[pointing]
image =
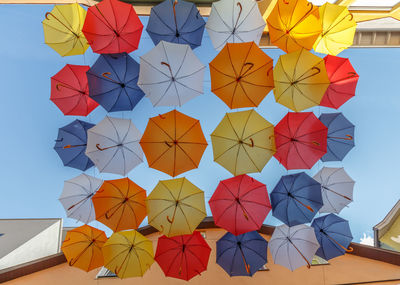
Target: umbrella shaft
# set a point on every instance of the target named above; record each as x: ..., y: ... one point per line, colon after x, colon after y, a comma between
x: 305, y: 259
x: 58, y: 20
x: 304, y: 205
x: 350, y: 249
x: 326, y: 188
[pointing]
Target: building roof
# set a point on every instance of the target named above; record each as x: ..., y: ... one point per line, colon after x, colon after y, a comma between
x: 388, y: 227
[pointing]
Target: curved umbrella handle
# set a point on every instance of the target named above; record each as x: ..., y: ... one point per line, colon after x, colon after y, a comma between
x: 106, y: 75
x: 169, y: 68
x: 176, y: 24
x: 347, y: 138
x: 238, y: 17
x: 251, y: 66
x: 58, y: 20
x: 169, y: 145
x: 169, y: 220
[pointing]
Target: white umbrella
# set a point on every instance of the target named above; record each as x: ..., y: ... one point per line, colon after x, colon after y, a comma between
x: 171, y: 74
x: 293, y: 247
x: 76, y: 197
x: 113, y: 146
x: 234, y: 21
x: 336, y: 188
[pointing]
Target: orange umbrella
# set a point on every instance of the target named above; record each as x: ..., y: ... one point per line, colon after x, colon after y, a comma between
x: 120, y: 204
x: 173, y: 143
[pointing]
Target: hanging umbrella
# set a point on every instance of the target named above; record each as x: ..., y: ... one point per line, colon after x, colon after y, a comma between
x: 113, y: 146
x: 173, y: 143
x: 243, y: 142
x: 76, y: 197
x: 176, y: 22
x: 246, y: 79
x: 300, y: 80
x: 71, y: 145
x: 240, y: 204
x: 112, y: 26
x: 296, y: 199
x: 171, y: 74
x: 234, y: 21
x: 113, y: 82
x: 183, y: 257
x: 175, y: 207
x: 63, y: 29
x: 301, y: 140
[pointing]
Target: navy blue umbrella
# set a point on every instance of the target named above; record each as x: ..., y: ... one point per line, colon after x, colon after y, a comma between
x: 113, y: 82
x: 296, y: 199
x: 176, y: 22
x: 334, y: 236
x: 340, y: 136
x: 242, y: 255
x: 71, y: 145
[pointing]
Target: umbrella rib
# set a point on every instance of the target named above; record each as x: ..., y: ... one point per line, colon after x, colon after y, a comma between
x: 219, y: 15
x: 191, y: 74
x: 154, y: 11
x: 188, y: 130
x: 211, y: 66
x: 251, y: 159
x: 245, y: 93
x: 256, y: 252
x: 155, y: 123
x: 271, y: 126
x: 87, y: 191
x: 152, y: 66
x: 187, y: 86
x: 245, y: 17
x: 301, y: 124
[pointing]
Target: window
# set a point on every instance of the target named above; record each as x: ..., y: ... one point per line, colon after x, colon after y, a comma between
x: 105, y: 273
x: 264, y: 268
x: 319, y: 261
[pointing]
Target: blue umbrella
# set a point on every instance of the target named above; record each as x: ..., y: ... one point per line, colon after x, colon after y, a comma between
x: 113, y: 82
x: 71, y: 145
x: 296, y: 199
x: 176, y: 22
x: 340, y: 136
x: 242, y: 255
x: 334, y: 236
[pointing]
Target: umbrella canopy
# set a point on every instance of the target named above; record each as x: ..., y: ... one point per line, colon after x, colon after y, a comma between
x: 112, y: 26
x: 240, y: 204
x: 243, y: 142
x: 71, y: 145
x: 171, y: 74
x: 175, y: 207
x: 301, y: 140
x: 293, y: 247
x: 113, y: 146
x: 300, y: 80
x: 183, y: 257
x: 128, y: 254
x: 63, y: 29
x: 242, y: 255
x: 82, y: 247
x: 176, y: 22
x: 76, y: 197
x: 173, y: 143
x: 246, y: 79
x: 113, y: 82
x: 296, y: 199
x: 120, y: 204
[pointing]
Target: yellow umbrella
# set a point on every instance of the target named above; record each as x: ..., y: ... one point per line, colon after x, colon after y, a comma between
x: 175, y: 207
x: 243, y: 142
x: 300, y: 80
x: 128, y: 254
x: 63, y: 29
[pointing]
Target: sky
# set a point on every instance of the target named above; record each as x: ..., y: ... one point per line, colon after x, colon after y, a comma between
x: 32, y: 175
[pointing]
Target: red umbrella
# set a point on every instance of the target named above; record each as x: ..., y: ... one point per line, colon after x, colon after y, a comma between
x: 112, y: 26
x: 240, y: 204
x: 343, y: 80
x: 184, y: 256
x: 301, y: 140
x: 70, y: 91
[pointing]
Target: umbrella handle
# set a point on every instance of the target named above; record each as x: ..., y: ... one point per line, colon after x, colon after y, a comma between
x: 72, y: 146
x: 350, y: 249
x: 347, y: 138
x: 77, y: 203
x: 247, y: 266
x: 304, y: 205
x: 326, y: 188
x: 106, y: 22
x: 58, y: 20
x: 305, y: 259
x: 169, y: 67
x: 244, y: 73
x: 318, y: 70
x: 169, y: 145
x: 101, y: 149
x: 240, y: 13
x: 252, y: 142
x: 173, y: 9
x: 169, y: 220
x: 106, y: 74
x: 302, y: 18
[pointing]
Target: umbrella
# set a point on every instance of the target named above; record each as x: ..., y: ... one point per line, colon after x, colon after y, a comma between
x: 333, y: 234
x: 240, y: 204
x: 63, y: 29
x: 301, y: 140
x: 296, y: 199
x: 175, y: 207
x: 340, y: 136
x: 336, y: 188
x: 243, y: 142
x: 82, y: 247
x: 293, y: 247
x: 173, y: 143
x: 76, y: 197
x: 300, y: 80
x: 71, y: 145
x: 184, y: 256
x: 176, y: 22
x: 113, y: 146
x: 120, y: 204
x: 246, y: 79
x: 171, y: 74
x: 128, y: 254
x: 107, y: 33
x: 242, y: 255
x: 113, y: 82
x: 234, y: 21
